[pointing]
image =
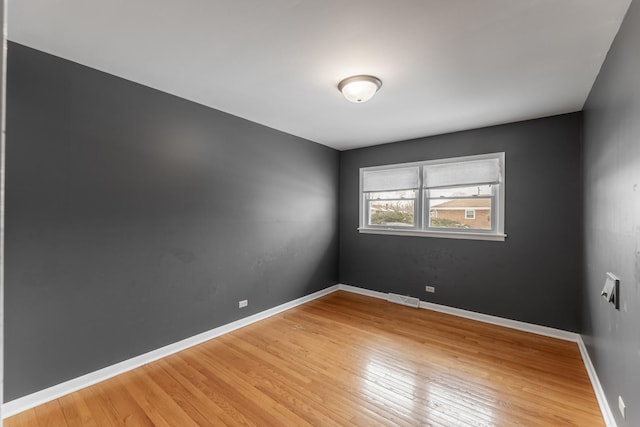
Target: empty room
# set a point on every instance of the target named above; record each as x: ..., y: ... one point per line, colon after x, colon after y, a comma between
x: 297, y: 212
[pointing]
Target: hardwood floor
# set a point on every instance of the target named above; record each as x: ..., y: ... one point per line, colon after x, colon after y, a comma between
x: 346, y: 359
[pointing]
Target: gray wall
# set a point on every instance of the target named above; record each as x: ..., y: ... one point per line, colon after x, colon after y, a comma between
x: 612, y: 219
x: 136, y: 219
x: 533, y: 276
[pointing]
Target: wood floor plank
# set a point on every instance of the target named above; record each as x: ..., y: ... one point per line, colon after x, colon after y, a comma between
x: 307, y: 404
x: 209, y: 400
x: 155, y: 401
x: 76, y: 412
x: 50, y: 415
x: 27, y: 418
x: 331, y: 377
x: 117, y: 400
x: 346, y: 359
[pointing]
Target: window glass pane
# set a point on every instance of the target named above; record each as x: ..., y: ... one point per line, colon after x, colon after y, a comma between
x: 475, y: 191
x: 392, y: 213
x: 467, y: 214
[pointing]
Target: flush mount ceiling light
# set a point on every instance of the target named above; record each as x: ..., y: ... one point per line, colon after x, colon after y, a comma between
x: 359, y: 88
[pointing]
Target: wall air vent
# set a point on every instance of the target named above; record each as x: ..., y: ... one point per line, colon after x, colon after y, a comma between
x: 404, y: 300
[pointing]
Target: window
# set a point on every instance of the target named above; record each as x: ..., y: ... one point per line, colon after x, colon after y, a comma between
x: 460, y: 197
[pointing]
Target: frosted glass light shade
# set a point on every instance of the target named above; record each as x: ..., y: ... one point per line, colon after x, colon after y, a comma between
x: 359, y: 88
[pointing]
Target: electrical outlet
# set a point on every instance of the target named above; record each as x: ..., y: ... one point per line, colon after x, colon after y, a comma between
x: 431, y: 289
x: 243, y: 303
x: 621, y: 406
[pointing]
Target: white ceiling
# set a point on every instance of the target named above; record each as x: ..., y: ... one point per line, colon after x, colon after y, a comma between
x: 446, y: 65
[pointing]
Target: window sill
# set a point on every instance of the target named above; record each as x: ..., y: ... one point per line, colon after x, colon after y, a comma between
x: 437, y: 234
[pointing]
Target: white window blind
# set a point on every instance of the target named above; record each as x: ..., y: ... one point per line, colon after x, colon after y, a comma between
x: 391, y: 179
x: 472, y: 172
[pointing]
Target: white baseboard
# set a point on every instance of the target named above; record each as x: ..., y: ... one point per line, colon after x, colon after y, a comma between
x: 485, y: 318
x: 507, y: 323
x: 521, y: 326
x: 609, y: 420
x: 43, y: 396
x: 362, y: 291
x: 38, y: 398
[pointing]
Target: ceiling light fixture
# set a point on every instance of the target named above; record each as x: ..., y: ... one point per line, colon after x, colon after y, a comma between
x: 359, y: 88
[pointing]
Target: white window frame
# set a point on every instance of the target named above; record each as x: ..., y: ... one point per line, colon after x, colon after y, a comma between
x: 471, y: 211
x: 421, y: 206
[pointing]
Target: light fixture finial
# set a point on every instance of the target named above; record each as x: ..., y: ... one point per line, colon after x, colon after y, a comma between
x: 359, y: 88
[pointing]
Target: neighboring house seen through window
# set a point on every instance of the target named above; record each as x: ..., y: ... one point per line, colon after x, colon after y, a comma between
x: 460, y: 197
